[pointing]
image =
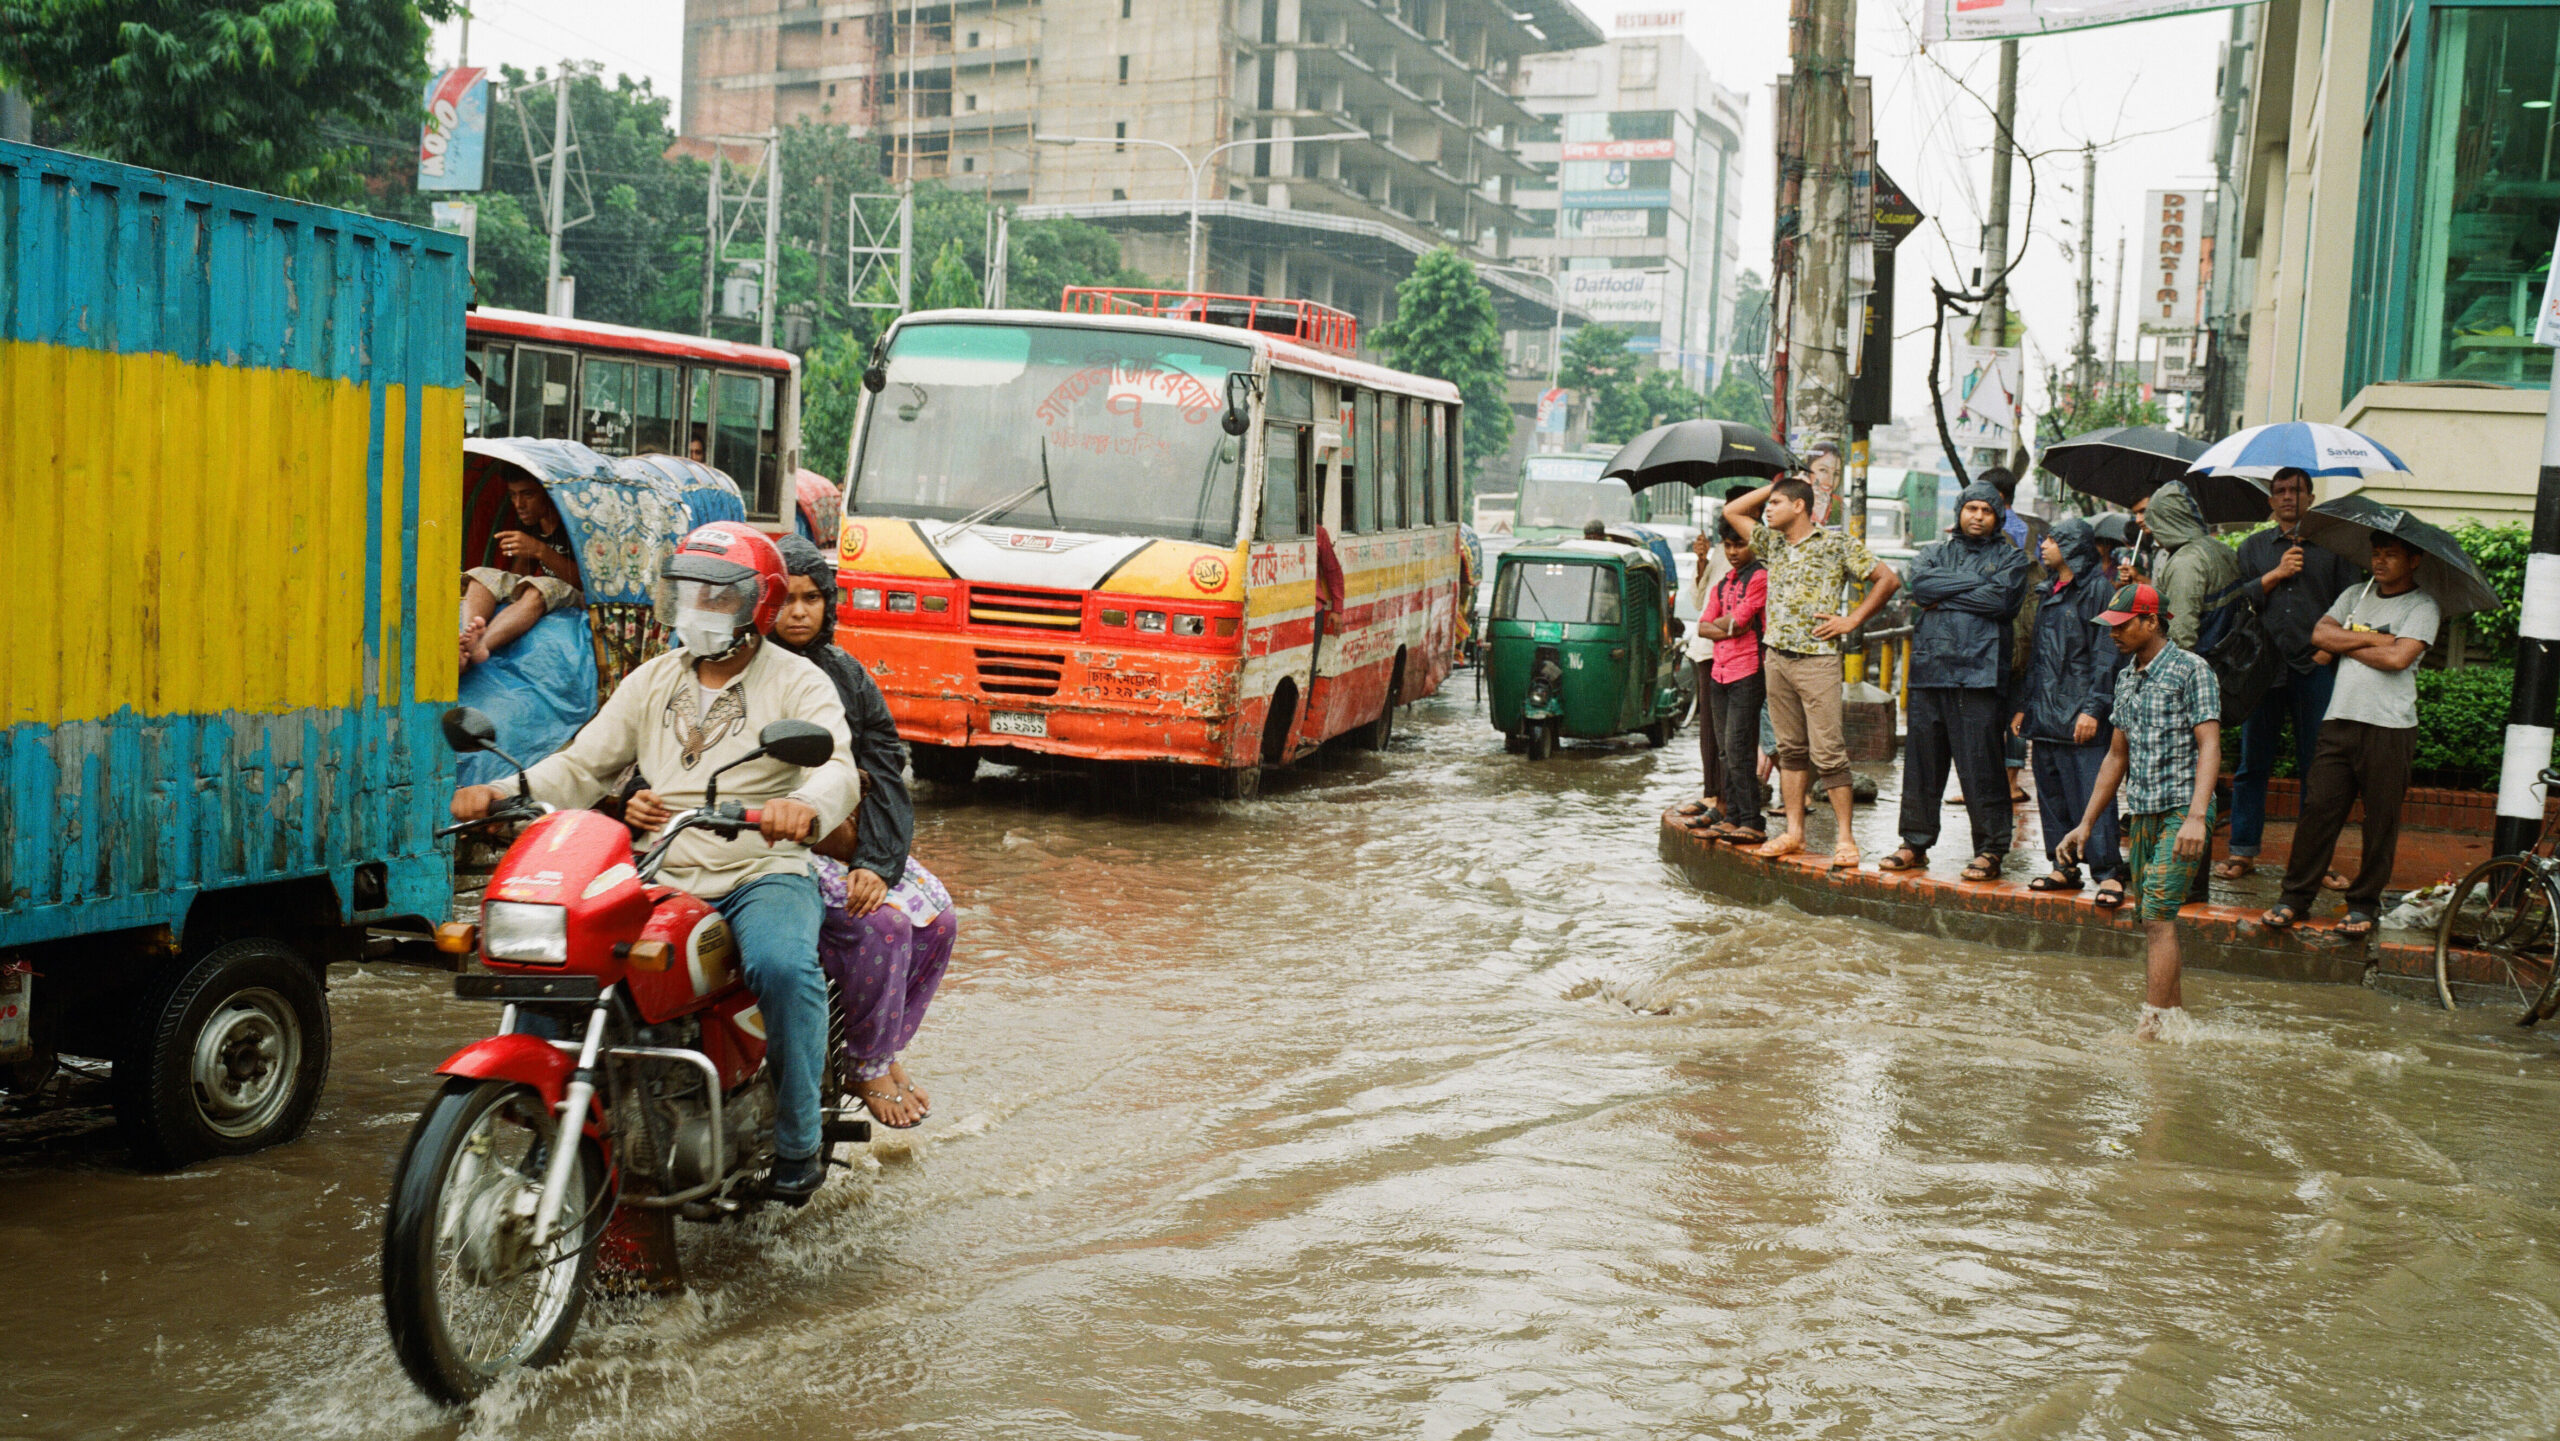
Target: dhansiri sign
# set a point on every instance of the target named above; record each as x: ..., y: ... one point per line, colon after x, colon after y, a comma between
x: 2172, y: 241
x: 2005, y: 19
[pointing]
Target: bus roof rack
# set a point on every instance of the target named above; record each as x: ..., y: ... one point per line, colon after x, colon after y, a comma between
x: 1304, y: 321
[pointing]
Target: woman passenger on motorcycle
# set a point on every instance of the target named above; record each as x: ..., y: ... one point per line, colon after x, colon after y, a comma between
x: 887, y: 933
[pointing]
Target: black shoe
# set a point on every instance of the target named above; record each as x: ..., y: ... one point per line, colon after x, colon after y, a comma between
x: 796, y: 1179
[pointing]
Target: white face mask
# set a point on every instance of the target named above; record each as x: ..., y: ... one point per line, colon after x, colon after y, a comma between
x: 709, y: 634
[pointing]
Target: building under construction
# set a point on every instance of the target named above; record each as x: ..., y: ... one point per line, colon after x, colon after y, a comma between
x: 964, y: 93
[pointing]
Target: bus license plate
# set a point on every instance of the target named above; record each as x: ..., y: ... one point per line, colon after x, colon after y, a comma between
x: 1016, y: 723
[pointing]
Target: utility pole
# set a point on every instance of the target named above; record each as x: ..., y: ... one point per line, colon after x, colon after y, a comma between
x: 2087, y: 355
x: 1991, y: 326
x: 1822, y: 46
x: 772, y: 285
x: 2115, y: 326
x: 559, y: 192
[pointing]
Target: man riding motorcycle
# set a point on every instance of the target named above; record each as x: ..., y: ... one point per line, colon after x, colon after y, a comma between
x: 681, y: 717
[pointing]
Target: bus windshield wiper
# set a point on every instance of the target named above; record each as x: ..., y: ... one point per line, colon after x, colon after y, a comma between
x: 990, y: 512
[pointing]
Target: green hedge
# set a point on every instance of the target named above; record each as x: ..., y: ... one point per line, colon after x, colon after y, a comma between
x: 2462, y: 718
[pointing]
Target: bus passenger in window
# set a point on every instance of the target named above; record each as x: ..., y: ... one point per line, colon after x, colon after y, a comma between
x: 500, y: 603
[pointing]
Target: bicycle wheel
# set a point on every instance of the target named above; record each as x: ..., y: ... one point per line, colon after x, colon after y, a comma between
x: 2500, y: 930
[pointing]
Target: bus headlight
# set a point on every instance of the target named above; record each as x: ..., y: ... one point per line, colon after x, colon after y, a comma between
x: 1190, y: 624
x: 532, y: 934
x: 903, y: 602
x: 866, y: 598
x: 1151, y: 621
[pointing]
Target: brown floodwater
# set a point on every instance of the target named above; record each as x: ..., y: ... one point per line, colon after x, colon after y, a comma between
x: 1420, y: 1099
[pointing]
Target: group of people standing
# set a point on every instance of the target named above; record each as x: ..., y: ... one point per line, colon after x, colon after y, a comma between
x: 2077, y: 644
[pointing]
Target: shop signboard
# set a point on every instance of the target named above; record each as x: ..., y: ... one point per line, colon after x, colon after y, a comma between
x: 1619, y: 149
x: 1649, y: 199
x: 1617, y: 297
x: 2172, y: 241
x: 1611, y: 224
x: 1648, y: 22
x: 1943, y: 20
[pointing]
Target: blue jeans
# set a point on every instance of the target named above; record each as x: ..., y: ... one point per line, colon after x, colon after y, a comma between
x: 775, y: 919
x: 2066, y: 776
x: 2302, y: 699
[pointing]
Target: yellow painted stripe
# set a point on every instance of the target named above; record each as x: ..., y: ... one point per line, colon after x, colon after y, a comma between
x: 197, y: 535
x: 395, y: 494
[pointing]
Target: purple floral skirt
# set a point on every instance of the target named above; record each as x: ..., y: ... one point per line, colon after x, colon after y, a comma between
x: 887, y: 963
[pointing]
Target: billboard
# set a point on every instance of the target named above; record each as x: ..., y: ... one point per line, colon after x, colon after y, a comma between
x: 2172, y: 241
x: 1942, y: 20
x: 1987, y: 394
x: 453, y: 143
x: 1617, y: 297
x: 1611, y: 224
x: 1618, y: 199
x: 1619, y: 149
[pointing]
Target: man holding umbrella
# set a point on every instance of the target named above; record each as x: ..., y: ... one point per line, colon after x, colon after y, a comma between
x: 2295, y: 582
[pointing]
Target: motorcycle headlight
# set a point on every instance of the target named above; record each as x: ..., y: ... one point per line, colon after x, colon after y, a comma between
x: 531, y: 934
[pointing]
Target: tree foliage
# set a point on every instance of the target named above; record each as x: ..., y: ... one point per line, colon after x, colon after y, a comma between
x: 1446, y: 328
x: 953, y: 285
x: 275, y: 95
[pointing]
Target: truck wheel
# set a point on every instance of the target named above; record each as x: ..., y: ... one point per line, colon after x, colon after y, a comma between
x: 225, y: 1059
x: 944, y: 765
x: 1238, y: 783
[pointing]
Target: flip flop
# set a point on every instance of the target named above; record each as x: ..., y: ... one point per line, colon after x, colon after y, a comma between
x: 1845, y: 857
x: 1694, y: 810
x: 2357, y: 926
x: 2234, y: 868
x: 2279, y: 918
x: 1783, y: 845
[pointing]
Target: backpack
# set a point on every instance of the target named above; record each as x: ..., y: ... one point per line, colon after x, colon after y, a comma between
x: 2234, y: 643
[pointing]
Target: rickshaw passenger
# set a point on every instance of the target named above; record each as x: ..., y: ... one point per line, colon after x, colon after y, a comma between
x: 500, y: 603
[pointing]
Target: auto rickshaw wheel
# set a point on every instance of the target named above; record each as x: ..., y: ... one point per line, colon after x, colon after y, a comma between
x: 225, y: 1057
x: 1542, y: 739
x: 1515, y: 741
x: 1658, y: 734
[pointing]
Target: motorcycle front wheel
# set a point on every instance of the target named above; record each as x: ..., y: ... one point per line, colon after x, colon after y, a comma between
x: 467, y: 1296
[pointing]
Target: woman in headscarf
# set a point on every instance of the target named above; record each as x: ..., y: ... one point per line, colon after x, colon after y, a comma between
x: 887, y: 933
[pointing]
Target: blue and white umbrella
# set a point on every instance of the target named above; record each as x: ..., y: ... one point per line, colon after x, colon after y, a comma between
x: 2316, y: 450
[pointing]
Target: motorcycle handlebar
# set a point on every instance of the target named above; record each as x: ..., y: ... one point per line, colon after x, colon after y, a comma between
x: 513, y: 808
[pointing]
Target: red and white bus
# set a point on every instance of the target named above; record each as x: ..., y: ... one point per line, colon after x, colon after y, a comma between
x: 622, y: 391
x: 1093, y: 533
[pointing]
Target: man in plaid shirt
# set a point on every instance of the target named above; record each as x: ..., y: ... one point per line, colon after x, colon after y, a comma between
x: 2166, y: 752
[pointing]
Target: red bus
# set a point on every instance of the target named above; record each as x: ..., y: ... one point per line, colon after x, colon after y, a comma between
x: 1093, y: 533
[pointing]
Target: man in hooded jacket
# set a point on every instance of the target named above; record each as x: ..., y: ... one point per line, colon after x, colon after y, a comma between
x: 2194, y: 569
x: 2062, y: 698
x: 1966, y: 590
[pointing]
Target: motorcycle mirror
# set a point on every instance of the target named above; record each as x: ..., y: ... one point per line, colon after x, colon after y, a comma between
x: 467, y: 730
x: 797, y: 742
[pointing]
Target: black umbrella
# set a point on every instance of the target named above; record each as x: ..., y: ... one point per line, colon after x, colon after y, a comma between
x: 1694, y: 452
x: 2346, y: 526
x: 2126, y: 463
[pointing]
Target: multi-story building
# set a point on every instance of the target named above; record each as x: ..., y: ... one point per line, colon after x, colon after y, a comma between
x: 970, y: 92
x: 1639, y: 196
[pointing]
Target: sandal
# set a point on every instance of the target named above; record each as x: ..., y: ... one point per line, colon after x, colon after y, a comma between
x: 1984, y: 867
x: 2110, y: 895
x: 1695, y: 809
x: 2234, y: 868
x: 1904, y: 858
x: 2357, y: 926
x: 878, y: 1101
x: 2280, y: 918
x: 1845, y: 857
x: 2333, y: 880
x: 1783, y: 845
x: 2060, y: 880
x: 1746, y: 836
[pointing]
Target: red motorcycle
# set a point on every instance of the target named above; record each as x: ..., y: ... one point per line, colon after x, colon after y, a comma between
x: 627, y: 1076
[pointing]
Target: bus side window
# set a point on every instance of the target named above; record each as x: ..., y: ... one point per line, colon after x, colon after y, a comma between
x: 697, y: 440
x: 1429, y: 434
x: 653, y: 410
x: 1391, y: 486
x: 1361, y: 516
x: 1453, y: 459
x: 488, y: 400
x: 1284, y: 483
x: 734, y: 448
x: 769, y: 488
x: 604, y: 405
x: 1415, y: 432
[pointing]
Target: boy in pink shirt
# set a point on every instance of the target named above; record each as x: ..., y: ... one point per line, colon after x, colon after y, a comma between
x: 1736, y: 613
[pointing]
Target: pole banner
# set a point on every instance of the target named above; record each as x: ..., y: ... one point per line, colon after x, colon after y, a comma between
x: 1943, y: 20
x: 453, y: 144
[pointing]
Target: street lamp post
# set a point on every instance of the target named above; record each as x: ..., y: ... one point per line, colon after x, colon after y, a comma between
x: 1555, y: 348
x: 1191, y: 268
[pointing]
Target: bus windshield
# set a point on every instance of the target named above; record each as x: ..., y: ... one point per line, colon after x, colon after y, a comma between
x: 1570, y: 504
x: 1563, y: 591
x: 1123, y: 428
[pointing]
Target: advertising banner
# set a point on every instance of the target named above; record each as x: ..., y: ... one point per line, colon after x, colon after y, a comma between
x: 1617, y: 199
x: 1942, y: 20
x: 1617, y: 297
x: 453, y: 144
x: 2172, y: 241
x: 1618, y: 150
x: 1986, y: 417
x: 1611, y: 224
x: 1553, y: 406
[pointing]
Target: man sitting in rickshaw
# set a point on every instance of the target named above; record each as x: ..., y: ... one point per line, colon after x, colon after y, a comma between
x: 500, y: 603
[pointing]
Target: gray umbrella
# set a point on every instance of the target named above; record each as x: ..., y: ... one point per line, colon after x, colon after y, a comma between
x: 1695, y: 452
x: 2346, y: 526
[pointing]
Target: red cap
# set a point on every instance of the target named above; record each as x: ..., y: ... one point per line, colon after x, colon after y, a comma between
x: 2130, y: 601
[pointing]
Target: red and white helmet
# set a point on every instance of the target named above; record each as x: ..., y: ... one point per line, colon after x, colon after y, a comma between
x: 723, y: 586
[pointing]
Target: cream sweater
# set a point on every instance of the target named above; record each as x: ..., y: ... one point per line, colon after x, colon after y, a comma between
x: 656, y: 718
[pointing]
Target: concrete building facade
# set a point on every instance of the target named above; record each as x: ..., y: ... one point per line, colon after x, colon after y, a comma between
x: 1638, y: 199
x: 964, y: 93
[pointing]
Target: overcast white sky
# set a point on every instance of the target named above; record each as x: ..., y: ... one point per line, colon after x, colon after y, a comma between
x: 2142, y: 92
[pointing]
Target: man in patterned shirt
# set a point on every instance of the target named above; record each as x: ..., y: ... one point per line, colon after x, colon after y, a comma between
x: 2166, y: 753
x: 1808, y: 569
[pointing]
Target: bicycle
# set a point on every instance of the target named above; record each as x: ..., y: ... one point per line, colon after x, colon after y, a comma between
x: 2508, y: 908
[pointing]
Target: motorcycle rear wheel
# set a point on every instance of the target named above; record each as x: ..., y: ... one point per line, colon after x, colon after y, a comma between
x: 466, y: 1299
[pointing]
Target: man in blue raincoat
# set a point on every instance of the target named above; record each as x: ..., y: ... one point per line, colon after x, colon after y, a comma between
x: 1966, y: 590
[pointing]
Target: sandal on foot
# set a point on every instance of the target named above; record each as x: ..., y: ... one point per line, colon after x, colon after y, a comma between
x: 2279, y: 918
x: 1904, y: 858
x: 1983, y: 868
x: 2110, y: 895
x: 2357, y: 926
x: 2334, y: 881
x: 2057, y: 881
x: 1779, y: 845
x: 879, y: 1101
x: 1694, y: 810
x: 1845, y: 857
x: 1746, y: 836
x: 2234, y: 868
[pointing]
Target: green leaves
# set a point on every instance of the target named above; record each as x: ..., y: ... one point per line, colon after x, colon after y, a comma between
x: 1446, y: 328
x: 2499, y: 551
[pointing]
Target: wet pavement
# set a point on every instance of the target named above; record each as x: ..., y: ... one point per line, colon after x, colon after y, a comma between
x: 1420, y: 1099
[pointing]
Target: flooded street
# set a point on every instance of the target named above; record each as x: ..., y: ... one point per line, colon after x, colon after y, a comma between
x: 1420, y: 1099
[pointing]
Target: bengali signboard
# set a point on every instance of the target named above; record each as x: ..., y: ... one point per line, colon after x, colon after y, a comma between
x: 1942, y: 20
x: 2172, y: 242
x: 453, y: 143
x: 1617, y: 297
x: 1618, y: 149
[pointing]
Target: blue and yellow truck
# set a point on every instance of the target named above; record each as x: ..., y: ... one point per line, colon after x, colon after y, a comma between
x: 230, y: 489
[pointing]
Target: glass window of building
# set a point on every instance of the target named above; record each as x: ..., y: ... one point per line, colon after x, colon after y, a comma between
x: 2489, y: 197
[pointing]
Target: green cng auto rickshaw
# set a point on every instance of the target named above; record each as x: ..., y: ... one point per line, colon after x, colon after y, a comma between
x: 1580, y: 643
